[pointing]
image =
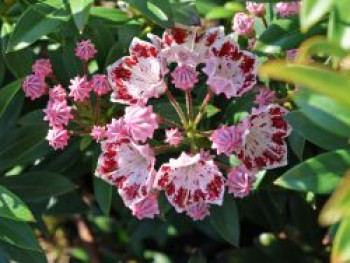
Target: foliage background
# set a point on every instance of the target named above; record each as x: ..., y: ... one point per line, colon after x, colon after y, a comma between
x: 53, y: 209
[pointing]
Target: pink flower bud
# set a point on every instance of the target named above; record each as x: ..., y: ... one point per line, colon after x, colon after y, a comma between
x: 173, y: 137
x: 226, y: 139
x: 85, y: 50
x: 42, y: 67
x: 240, y: 181
x: 184, y: 77
x: 57, y: 93
x: 100, y: 85
x: 146, y: 208
x: 265, y: 97
x: 287, y: 9
x: 79, y: 88
x: 98, y: 133
x: 34, y: 86
x: 256, y: 8
x: 243, y: 25
x: 58, y: 113
x: 58, y: 138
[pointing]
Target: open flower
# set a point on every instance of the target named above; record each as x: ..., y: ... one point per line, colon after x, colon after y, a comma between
x: 263, y: 145
x: 116, y: 129
x: 230, y: 70
x: 140, y: 122
x: 34, y: 86
x: 240, y: 181
x: 128, y: 166
x: 190, y: 180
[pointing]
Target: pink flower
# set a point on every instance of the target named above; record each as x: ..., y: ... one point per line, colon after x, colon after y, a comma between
x: 98, y: 133
x: 79, y: 88
x: 287, y: 9
x: 226, y: 139
x: 291, y: 54
x: 116, y: 129
x: 146, y: 208
x: 256, y: 8
x: 85, y: 50
x: 58, y: 138
x: 34, y: 86
x: 198, y: 211
x: 42, y: 68
x: 128, y: 166
x: 240, y: 181
x: 139, y: 76
x: 264, y: 97
x: 100, y: 84
x: 230, y: 70
x: 57, y: 93
x: 184, y: 77
x: 243, y: 25
x: 173, y: 136
x: 263, y: 144
x: 140, y: 121
x: 58, y: 113
x: 190, y: 180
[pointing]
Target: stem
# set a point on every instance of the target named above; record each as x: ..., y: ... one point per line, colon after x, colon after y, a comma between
x: 97, y: 109
x: 202, y: 109
x: 264, y: 21
x: 169, y: 122
x: 85, y: 68
x: 82, y: 124
x: 177, y: 107
x: 189, y: 105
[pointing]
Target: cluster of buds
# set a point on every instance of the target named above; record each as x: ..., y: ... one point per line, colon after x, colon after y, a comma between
x: 181, y: 61
x: 68, y: 105
x: 243, y: 24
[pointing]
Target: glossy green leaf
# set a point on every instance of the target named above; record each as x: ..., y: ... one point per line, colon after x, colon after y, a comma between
x: 331, y: 83
x: 225, y: 219
x: 7, y: 93
x: 18, y: 234
x: 15, y: 254
x: 297, y: 144
x: 80, y: 11
x: 341, y: 246
x: 185, y: 13
x: 219, y: 13
x: 11, y: 207
x: 312, y: 11
x: 324, y: 112
x: 337, y: 207
x: 109, y: 14
x: 159, y: 11
x: 320, y: 174
x: 34, y: 186
x: 39, y: 20
x: 339, y: 24
x: 284, y: 34
x: 103, y: 194
x: 314, y: 133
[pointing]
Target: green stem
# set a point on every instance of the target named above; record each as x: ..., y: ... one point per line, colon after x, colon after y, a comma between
x: 178, y: 109
x: 189, y: 105
x: 202, y: 109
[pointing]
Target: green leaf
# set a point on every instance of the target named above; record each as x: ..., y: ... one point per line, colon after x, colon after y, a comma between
x: 337, y: 207
x: 320, y: 174
x: 331, y: 83
x: 108, y: 14
x: 284, y: 34
x: 198, y: 257
x: 14, y: 254
x: 18, y: 234
x: 33, y: 186
x: 219, y: 13
x: 11, y: 207
x: 40, y: 19
x: 80, y: 10
x: 7, y: 93
x: 103, y: 194
x: 159, y: 11
x: 339, y: 24
x: 185, y: 13
x: 341, y: 246
x: 324, y: 112
x: 225, y: 219
x: 312, y: 11
x: 297, y: 144
x: 314, y: 133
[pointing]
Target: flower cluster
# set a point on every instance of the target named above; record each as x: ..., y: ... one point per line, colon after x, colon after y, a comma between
x: 194, y: 179
x: 64, y: 105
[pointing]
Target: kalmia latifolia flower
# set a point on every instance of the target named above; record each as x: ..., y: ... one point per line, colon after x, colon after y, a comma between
x: 98, y: 133
x: 79, y: 88
x: 243, y: 25
x: 57, y: 93
x: 256, y: 8
x: 184, y: 77
x: 230, y: 71
x: 287, y: 9
x: 140, y: 122
x: 173, y: 136
x: 34, y: 86
x: 100, y: 84
x: 146, y: 208
x: 85, y: 50
x: 265, y: 97
x: 42, y: 68
x: 240, y: 181
x: 116, y: 129
x: 198, y: 211
x: 263, y: 145
x: 58, y: 113
x: 226, y: 139
x: 190, y: 180
x: 58, y: 138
